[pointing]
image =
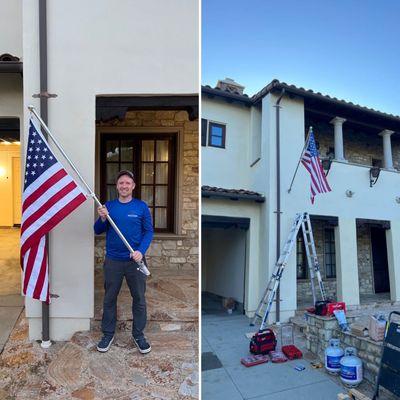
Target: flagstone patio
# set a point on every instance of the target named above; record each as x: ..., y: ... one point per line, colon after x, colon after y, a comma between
x: 76, y: 370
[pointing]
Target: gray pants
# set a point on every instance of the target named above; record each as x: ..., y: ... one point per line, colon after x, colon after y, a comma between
x: 114, y: 272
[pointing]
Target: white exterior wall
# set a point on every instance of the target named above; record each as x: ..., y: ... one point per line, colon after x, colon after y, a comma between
x: 132, y: 47
x: 224, y: 260
x: 11, y: 27
x: 229, y: 167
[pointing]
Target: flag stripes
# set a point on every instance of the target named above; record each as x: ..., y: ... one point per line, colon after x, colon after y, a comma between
x: 311, y: 161
x: 50, y: 194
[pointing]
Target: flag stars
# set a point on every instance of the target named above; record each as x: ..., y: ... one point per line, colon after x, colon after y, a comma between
x: 30, y: 149
x: 44, y: 149
x: 29, y: 157
x: 32, y: 141
x: 43, y: 157
x: 37, y: 148
x: 39, y: 141
x: 34, y: 134
x: 42, y: 164
x: 34, y: 165
x: 36, y: 157
x: 51, y: 157
x: 33, y: 173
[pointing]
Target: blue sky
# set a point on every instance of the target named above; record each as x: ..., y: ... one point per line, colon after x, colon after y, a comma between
x: 349, y: 49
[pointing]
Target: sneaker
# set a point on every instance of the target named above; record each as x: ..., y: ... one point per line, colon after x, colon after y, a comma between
x: 142, y: 345
x: 105, y: 343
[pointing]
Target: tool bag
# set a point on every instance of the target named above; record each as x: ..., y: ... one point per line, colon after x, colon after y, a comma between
x: 263, y: 342
x: 321, y: 307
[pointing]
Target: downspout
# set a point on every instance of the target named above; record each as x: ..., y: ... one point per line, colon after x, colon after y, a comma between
x: 44, y: 114
x: 278, y: 199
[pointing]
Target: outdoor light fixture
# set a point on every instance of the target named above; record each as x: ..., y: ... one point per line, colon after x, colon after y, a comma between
x: 326, y: 165
x: 349, y: 193
x: 397, y: 199
x: 373, y: 175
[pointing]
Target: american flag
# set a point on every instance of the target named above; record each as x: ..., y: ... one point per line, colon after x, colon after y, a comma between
x: 310, y: 159
x: 50, y: 194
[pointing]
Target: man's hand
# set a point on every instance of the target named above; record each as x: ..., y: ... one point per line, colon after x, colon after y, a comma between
x: 103, y: 212
x: 137, y: 256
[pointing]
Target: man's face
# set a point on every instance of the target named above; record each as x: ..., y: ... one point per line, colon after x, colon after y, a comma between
x: 125, y: 186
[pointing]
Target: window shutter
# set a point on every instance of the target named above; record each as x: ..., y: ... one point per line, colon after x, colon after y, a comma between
x: 204, y: 132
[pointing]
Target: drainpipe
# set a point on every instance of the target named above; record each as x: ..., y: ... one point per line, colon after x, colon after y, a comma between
x: 44, y: 114
x: 278, y: 198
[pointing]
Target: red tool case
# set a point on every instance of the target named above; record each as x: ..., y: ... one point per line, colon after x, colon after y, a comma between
x: 292, y: 352
x: 250, y: 361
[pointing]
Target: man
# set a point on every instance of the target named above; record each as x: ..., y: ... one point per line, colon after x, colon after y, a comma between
x: 132, y: 217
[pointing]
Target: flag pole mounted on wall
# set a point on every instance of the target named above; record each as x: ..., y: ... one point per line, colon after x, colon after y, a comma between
x: 301, y: 156
x: 142, y: 266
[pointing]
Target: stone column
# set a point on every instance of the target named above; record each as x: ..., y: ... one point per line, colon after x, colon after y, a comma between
x: 387, y: 149
x: 338, y: 126
x: 393, y: 252
x: 346, y: 262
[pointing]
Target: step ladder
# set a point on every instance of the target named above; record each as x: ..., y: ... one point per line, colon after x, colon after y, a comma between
x: 302, y: 221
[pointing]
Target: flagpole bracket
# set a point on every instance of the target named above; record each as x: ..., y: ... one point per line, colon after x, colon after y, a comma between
x: 45, y: 94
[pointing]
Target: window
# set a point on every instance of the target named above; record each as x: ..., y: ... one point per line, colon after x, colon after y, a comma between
x: 152, y: 160
x: 329, y: 253
x: 216, y: 135
x: 301, y: 257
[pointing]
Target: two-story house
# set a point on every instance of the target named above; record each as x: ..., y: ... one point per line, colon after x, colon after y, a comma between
x: 250, y: 149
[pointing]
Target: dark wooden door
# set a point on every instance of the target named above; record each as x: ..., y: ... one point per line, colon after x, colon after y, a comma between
x: 379, y: 259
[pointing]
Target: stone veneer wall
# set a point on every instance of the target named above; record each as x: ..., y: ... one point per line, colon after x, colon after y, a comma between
x: 365, y: 268
x: 170, y: 253
x: 304, y: 293
x: 359, y: 147
x: 321, y: 329
x: 364, y: 256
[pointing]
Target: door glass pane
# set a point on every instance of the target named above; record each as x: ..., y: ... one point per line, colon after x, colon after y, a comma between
x: 126, y: 150
x: 152, y: 214
x: 127, y: 166
x: 148, y: 150
x: 147, y: 195
x: 161, y: 196
x: 162, y: 173
x: 111, y: 172
x: 112, y: 150
x: 162, y: 150
x: 161, y: 218
x: 111, y: 192
x: 147, y: 173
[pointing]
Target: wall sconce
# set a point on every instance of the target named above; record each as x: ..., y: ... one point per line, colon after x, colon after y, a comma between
x: 373, y: 175
x: 397, y: 199
x: 349, y: 193
x: 326, y: 165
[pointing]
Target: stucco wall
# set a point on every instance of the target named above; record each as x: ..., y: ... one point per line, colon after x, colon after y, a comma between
x: 136, y: 48
x: 11, y: 27
x: 224, y: 261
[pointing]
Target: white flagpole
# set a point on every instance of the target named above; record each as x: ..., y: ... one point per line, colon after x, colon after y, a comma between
x: 301, y: 156
x: 142, y: 266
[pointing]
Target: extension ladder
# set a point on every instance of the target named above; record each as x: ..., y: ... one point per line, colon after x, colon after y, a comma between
x: 302, y: 220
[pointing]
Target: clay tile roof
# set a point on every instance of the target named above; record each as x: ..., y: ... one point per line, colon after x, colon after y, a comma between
x: 233, y: 194
x: 275, y: 85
